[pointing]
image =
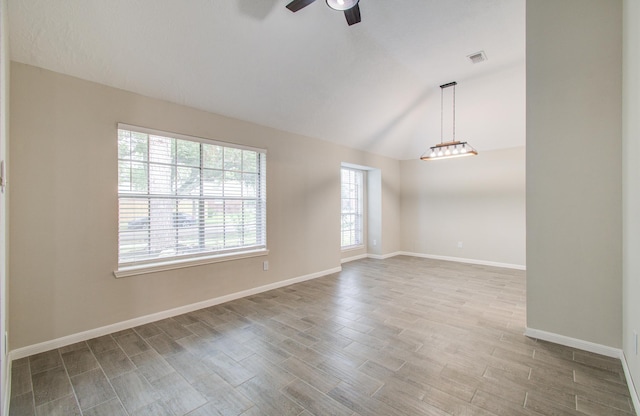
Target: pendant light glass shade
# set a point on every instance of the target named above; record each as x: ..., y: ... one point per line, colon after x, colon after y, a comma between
x: 341, y: 4
x: 453, y: 148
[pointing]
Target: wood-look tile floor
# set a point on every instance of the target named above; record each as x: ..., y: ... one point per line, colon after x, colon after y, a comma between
x: 403, y: 336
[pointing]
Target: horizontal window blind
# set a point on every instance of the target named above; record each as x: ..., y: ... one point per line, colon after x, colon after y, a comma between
x: 182, y: 197
x: 352, y: 198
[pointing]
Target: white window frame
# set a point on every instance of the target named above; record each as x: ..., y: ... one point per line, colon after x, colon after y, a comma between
x: 197, y: 252
x: 352, y: 205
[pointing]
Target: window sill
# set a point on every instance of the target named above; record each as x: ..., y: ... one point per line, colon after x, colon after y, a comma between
x: 353, y: 248
x: 180, y: 264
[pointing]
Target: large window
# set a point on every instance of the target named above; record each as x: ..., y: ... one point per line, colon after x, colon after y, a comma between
x: 181, y: 197
x: 352, y: 207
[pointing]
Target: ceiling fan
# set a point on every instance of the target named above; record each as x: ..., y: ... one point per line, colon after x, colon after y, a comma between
x: 350, y: 8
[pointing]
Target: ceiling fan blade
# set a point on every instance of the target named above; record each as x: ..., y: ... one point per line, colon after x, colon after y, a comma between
x: 296, y: 5
x: 353, y: 15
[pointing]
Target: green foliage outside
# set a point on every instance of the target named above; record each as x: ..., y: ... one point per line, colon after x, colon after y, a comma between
x: 180, y: 197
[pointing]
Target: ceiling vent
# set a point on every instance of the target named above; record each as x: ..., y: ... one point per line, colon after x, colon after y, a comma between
x: 477, y: 57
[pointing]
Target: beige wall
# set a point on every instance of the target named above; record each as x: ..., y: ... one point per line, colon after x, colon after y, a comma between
x: 479, y: 201
x: 573, y: 169
x: 64, y: 207
x: 631, y: 186
x: 4, y: 139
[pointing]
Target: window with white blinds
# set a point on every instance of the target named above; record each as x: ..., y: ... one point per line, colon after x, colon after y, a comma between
x: 352, y: 197
x: 183, y: 197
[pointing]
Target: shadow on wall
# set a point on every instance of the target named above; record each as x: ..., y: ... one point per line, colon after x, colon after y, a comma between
x: 258, y: 10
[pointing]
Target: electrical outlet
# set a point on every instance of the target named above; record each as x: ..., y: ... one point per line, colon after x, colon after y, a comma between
x: 375, y: 242
x: 459, y: 244
x: 265, y: 265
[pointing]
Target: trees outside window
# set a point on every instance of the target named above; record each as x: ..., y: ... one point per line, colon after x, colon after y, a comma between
x: 182, y: 196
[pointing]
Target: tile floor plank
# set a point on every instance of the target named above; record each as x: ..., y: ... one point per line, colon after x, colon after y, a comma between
x: 111, y: 408
x: 177, y: 394
x: 44, y: 361
x: 63, y: 406
x: 20, y: 380
x: 269, y: 400
x: 222, y: 397
x: 50, y: 385
x: 92, y: 388
x: 79, y: 361
x: 131, y: 343
x: 22, y: 405
x: 102, y: 344
x: 115, y: 362
x: 313, y: 400
x: 134, y: 391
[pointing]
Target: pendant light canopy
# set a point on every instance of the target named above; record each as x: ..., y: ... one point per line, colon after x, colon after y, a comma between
x: 453, y: 148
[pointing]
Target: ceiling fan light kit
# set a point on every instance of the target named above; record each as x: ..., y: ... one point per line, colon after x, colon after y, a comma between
x: 341, y: 5
x: 453, y: 148
x: 349, y: 7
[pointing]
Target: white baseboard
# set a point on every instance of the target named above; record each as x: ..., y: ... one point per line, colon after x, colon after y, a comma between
x: 435, y: 257
x: 354, y: 258
x: 463, y: 260
x: 574, y: 343
x: 108, y: 329
x: 384, y: 256
x: 370, y: 256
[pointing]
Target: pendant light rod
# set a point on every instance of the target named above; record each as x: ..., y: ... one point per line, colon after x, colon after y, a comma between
x: 441, y: 114
x: 442, y: 87
x: 454, y: 113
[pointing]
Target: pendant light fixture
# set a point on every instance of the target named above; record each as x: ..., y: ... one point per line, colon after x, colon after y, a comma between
x: 453, y: 148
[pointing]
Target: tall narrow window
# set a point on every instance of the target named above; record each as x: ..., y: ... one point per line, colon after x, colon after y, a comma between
x: 352, y: 207
x: 181, y: 197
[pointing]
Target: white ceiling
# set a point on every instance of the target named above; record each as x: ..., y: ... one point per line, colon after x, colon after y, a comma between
x: 373, y: 85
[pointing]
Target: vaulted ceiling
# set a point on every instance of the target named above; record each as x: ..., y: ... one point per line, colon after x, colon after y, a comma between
x: 372, y: 86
